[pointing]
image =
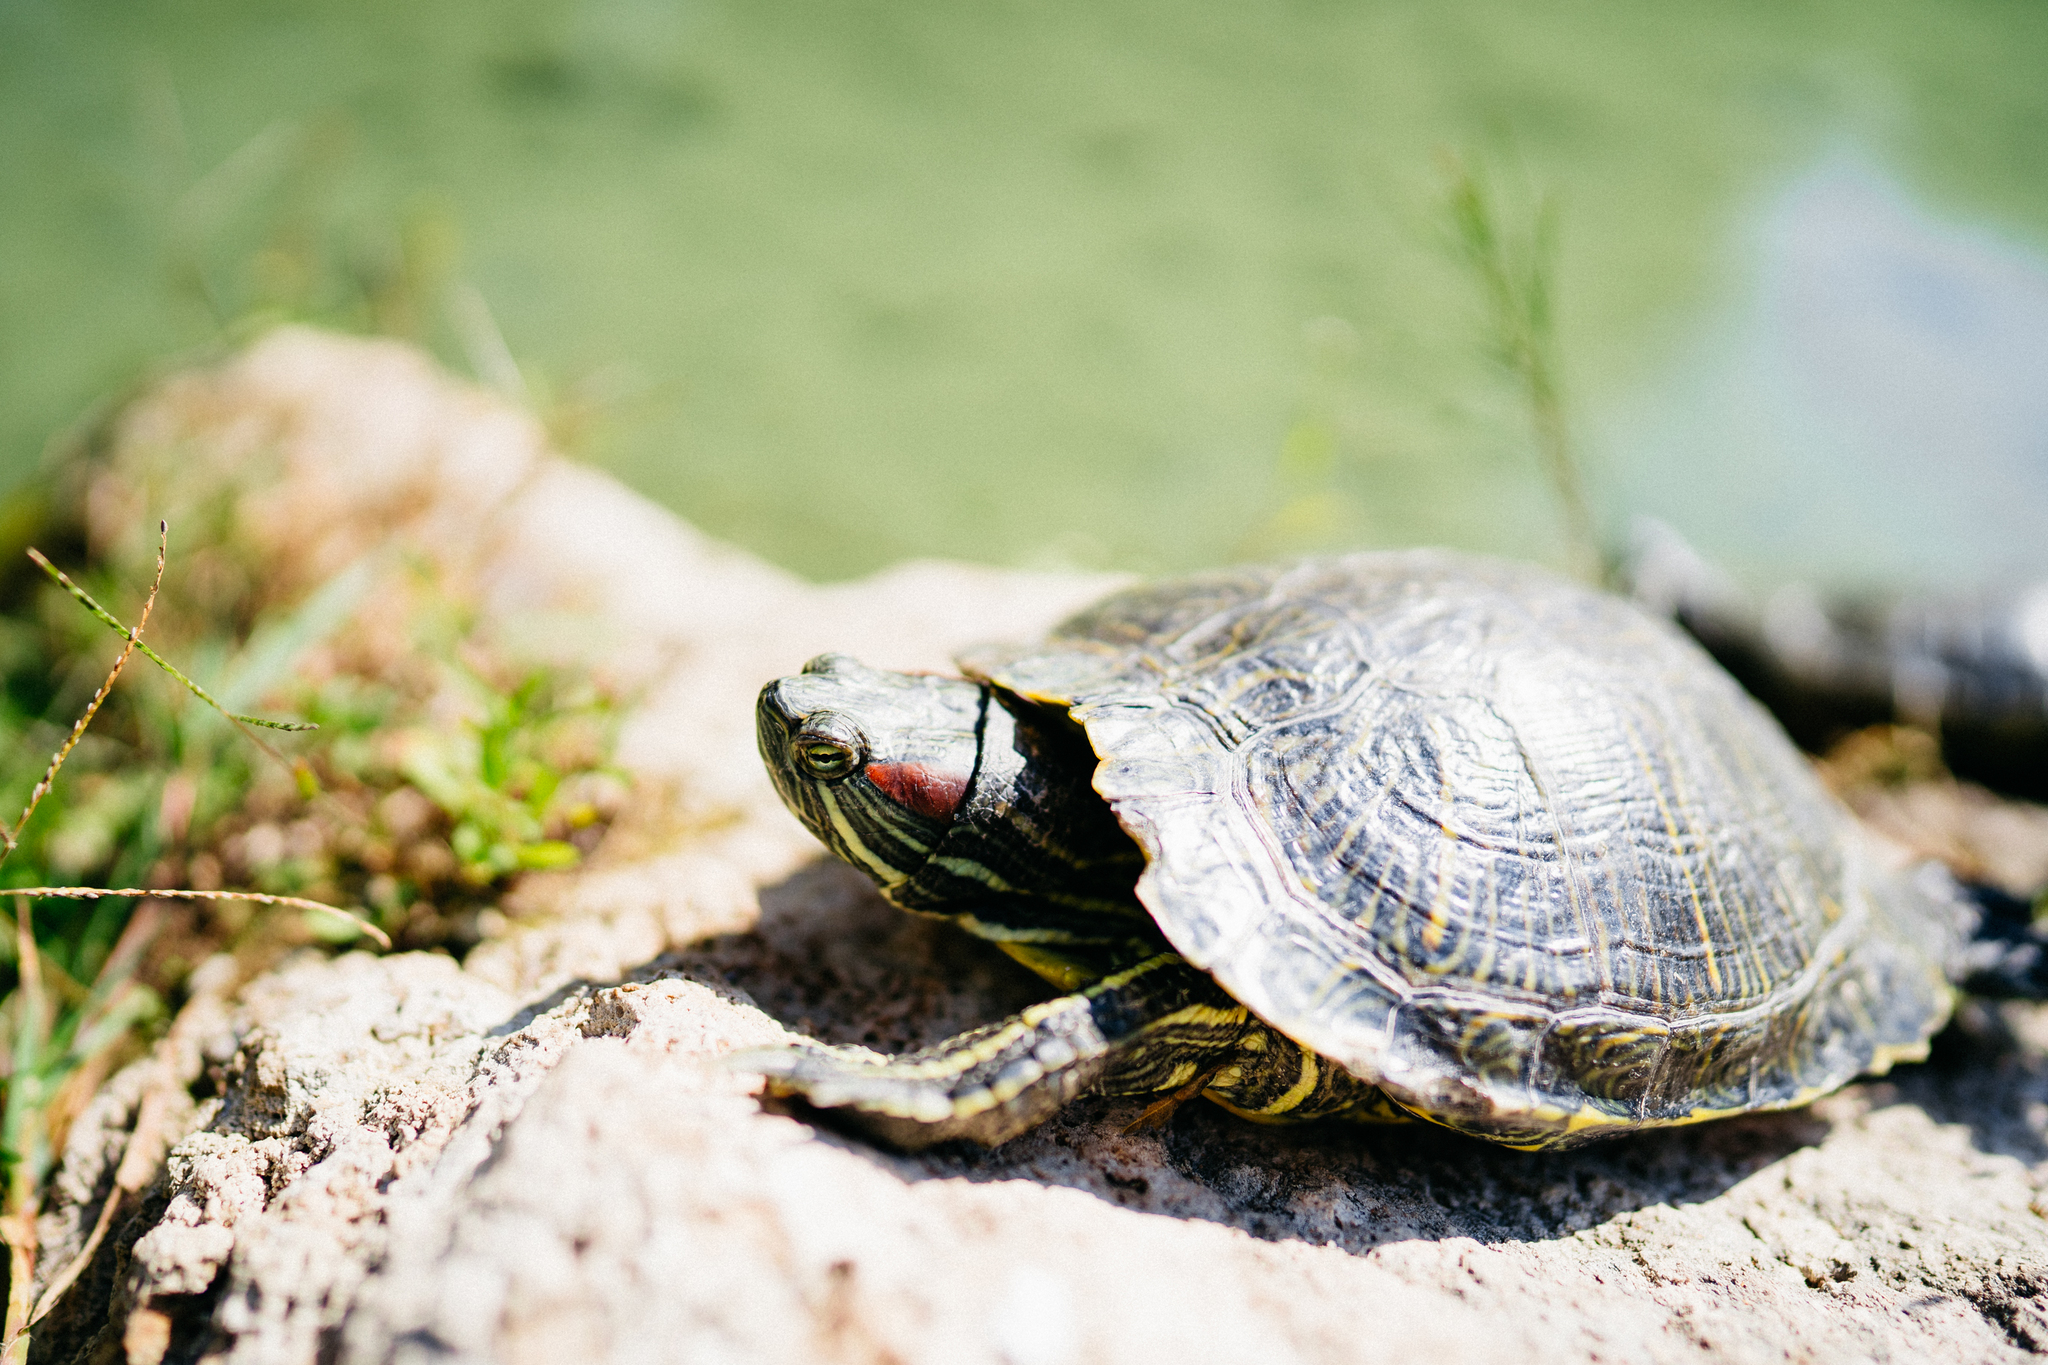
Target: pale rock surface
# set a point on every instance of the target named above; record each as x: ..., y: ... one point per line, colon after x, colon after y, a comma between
x: 536, y: 1156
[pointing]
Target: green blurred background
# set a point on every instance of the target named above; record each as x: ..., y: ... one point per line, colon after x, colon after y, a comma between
x: 1124, y: 284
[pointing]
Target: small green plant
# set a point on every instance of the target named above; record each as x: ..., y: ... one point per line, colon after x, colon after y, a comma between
x: 1516, y: 270
x: 1343, y: 467
x: 433, y: 794
x: 499, y: 780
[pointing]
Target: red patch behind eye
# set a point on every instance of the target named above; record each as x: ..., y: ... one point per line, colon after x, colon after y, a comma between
x: 934, y: 795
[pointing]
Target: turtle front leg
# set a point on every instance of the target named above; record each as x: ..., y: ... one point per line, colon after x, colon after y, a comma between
x: 1157, y: 1026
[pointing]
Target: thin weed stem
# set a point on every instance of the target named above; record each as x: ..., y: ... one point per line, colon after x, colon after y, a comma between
x: 293, y: 726
x: 86, y: 893
x: 42, y: 788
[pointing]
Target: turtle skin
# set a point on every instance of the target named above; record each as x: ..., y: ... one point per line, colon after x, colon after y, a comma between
x: 1513, y: 851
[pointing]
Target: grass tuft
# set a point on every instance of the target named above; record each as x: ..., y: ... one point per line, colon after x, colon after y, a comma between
x: 429, y: 773
x: 64, y: 1032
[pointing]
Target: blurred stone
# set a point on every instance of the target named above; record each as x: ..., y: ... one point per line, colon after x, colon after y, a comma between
x: 536, y: 1155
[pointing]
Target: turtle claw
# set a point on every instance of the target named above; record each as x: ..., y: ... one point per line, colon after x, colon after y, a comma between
x: 799, y: 1060
x: 1160, y: 1112
x: 855, y: 1079
x: 986, y: 1085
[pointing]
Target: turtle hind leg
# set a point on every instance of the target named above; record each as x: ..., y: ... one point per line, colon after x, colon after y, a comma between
x: 1152, y: 1027
x: 1274, y: 1079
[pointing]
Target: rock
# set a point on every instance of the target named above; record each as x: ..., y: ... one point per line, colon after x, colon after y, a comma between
x: 537, y: 1155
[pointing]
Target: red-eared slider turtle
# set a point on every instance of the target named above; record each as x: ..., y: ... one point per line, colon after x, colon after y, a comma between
x: 1379, y: 837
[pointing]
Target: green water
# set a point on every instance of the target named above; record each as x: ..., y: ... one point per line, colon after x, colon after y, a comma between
x: 1125, y: 283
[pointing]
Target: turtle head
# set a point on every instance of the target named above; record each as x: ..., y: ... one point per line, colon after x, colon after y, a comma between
x: 876, y: 764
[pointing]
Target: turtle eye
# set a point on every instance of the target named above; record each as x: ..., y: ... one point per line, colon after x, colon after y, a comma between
x: 824, y: 758
x: 828, y: 747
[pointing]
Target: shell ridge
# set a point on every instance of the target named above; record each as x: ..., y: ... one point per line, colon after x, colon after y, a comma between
x: 1566, y: 836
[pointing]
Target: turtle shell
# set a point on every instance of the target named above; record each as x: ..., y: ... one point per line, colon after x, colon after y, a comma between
x: 1510, y: 849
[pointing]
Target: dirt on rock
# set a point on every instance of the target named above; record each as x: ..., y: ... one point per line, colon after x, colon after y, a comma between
x: 537, y: 1154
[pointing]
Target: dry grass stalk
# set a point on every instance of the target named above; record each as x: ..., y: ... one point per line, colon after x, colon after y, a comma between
x: 87, y: 893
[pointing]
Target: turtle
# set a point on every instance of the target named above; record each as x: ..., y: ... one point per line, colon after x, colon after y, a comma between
x: 1385, y: 837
